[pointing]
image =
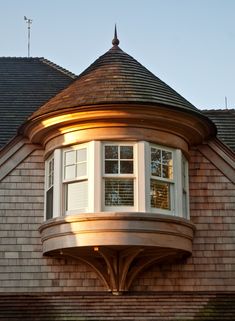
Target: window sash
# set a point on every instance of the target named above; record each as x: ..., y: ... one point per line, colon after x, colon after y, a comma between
x: 75, y: 185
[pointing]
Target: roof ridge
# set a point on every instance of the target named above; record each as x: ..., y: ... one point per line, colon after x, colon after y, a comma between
x: 16, y: 57
x: 222, y: 110
x: 57, y: 67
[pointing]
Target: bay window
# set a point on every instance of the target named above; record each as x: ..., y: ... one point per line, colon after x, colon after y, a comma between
x: 116, y: 176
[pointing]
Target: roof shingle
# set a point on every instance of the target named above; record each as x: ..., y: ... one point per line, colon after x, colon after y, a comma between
x: 26, y: 84
x: 224, y: 119
x: 116, y: 78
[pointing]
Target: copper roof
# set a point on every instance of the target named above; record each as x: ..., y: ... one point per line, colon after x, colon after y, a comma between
x: 115, y: 78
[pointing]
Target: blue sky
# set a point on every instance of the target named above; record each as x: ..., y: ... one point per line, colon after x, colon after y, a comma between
x: 189, y: 44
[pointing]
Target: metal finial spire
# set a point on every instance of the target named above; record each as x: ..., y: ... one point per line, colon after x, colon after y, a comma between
x: 115, y: 41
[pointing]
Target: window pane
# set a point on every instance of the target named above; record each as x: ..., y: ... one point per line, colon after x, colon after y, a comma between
x: 111, y: 167
x: 155, y: 155
x: 126, y: 167
x: 70, y: 157
x: 70, y: 172
x: 160, y: 195
x: 81, y: 155
x: 167, y: 161
x: 81, y: 169
x: 49, y: 203
x: 167, y: 171
x: 126, y: 152
x: 77, y: 196
x: 119, y: 192
x: 111, y: 152
x: 156, y: 169
x: 166, y: 157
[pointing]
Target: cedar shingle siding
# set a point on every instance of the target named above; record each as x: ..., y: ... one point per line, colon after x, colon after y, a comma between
x: 37, y: 287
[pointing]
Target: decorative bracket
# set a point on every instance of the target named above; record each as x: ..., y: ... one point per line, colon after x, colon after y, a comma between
x: 118, y: 268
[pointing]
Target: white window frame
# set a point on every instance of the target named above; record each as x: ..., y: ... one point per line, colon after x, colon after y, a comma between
x: 120, y: 176
x: 65, y: 181
x: 179, y: 189
x: 47, y: 184
x: 172, y: 182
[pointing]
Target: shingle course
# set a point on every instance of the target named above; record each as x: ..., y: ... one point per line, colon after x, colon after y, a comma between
x: 224, y: 119
x: 26, y: 84
x: 116, y: 78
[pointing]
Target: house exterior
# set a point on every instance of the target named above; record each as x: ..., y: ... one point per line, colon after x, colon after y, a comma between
x: 117, y: 196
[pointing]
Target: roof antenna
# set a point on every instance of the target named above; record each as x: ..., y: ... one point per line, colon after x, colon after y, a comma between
x: 226, y: 103
x: 29, y: 22
x: 115, y: 41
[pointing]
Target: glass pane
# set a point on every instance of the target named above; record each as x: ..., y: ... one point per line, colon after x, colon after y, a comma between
x: 70, y: 157
x: 77, y: 196
x: 119, y: 192
x: 126, y: 152
x: 81, y: 169
x: 155, y: 155
x: 111, y: 167
x: 49, y: 203
x: 166, y: 157
x: 81, y: 155
x: 70, y: 172
x: 111, y: 152
x: 126, y: 167
x: 156, y: 169
x: 50, y: 181
x: 167, y: 171
x: 160, y: 195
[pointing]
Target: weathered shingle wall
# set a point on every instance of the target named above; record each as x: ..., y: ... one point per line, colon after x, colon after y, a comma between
x: 212, y: 265
x: 22, y: 265
x: 24, y: 269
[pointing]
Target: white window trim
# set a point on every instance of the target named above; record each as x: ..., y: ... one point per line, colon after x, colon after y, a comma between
x: 65, y: 181
x: 96, y: 176
x: 121, y: 176
x: 46, y: 183
x: 172, y: 182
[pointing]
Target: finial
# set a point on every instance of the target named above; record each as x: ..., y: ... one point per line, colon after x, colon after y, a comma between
x: 115, y: 41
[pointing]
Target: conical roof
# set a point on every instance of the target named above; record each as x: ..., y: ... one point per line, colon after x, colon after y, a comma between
x: 115, y: 78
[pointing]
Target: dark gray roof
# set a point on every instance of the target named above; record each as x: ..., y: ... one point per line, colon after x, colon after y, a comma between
x: 25, y: 85
x: 116, y: 78
x: 224, y: 119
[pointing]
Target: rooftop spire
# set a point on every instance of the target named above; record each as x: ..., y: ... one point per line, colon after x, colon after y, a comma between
x: 115, y: 41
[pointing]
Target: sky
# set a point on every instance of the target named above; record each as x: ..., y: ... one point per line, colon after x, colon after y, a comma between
x: 189, y: 44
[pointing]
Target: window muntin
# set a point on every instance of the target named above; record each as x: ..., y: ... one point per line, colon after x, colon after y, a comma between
x: 116, y: 176
x: 161, y: 179
x: 75, y: 175
x: 118, y: 159
x: 119, y: 175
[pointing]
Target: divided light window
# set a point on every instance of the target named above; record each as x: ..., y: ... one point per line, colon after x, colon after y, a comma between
x: 118, y: 175
x: 49, y: 188
x: 75, y: 179
x: 162, y: 179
